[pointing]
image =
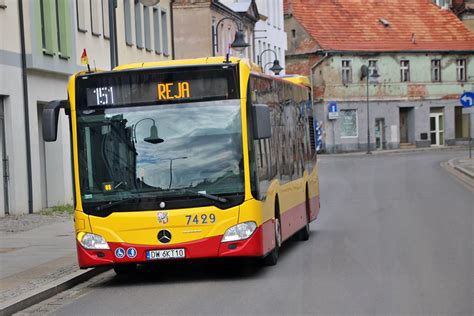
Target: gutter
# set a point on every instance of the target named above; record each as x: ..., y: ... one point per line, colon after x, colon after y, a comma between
x: 26, y: 108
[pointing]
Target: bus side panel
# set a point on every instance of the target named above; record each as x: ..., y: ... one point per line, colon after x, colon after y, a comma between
x: 292, y: 207
x: 314, y: 197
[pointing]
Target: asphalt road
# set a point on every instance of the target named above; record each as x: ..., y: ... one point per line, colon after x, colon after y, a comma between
x: 394, y: 236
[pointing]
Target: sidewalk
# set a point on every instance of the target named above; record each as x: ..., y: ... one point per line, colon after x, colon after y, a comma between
x: 464, y: 165
x: 462, y: 169
x: 38, y: 262
x: 394, y: 151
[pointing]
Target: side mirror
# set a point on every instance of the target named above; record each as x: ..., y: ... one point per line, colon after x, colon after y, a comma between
x: 261, y: 122
x: 50, y: 119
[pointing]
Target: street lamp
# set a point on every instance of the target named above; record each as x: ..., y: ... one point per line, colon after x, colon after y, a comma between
x: 238, y: 44
x: 276, y: 68
x: 365, y: 73
x: 153, y: 138
x: 113, y: 28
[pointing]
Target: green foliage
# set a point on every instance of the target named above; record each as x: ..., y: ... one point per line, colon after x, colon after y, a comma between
x: 58, y: 210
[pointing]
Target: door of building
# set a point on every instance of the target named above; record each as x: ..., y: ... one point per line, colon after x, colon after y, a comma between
x: 403, y: 126
x: 380, y: 133
x: 4, y: 205
x: 437, y: 129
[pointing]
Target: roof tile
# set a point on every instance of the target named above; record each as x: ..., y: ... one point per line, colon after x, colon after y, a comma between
x: 354, y: 25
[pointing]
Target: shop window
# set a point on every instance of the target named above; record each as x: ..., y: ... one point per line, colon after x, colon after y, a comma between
x: 349, y: 123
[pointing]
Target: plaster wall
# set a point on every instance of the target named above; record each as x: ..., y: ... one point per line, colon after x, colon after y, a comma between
x: 192, y: 25
x: 388, y: 85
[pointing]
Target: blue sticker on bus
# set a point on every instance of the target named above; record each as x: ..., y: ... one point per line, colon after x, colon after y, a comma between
x: 119, y: 253
x: 131, y: 252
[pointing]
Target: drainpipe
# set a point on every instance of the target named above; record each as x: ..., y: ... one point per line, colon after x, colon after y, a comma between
x: 172, y: 29
x: 26, y: 108
x: 319, y: 62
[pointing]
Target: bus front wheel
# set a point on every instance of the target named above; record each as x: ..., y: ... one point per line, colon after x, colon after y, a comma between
x: 271, y: 258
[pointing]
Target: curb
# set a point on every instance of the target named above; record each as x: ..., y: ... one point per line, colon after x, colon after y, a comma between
x: 460, y: 176
x: 394, y: 151
x: 459, y: 168
x: 44, y: 292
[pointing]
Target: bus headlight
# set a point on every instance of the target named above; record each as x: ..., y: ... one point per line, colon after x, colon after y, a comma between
x: 92, y: 241
x: 239, y: 232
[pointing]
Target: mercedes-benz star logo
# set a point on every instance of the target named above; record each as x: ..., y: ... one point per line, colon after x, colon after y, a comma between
x: 164, y: 236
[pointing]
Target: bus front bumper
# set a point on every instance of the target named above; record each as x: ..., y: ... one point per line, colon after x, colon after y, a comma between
x: 257, y: 245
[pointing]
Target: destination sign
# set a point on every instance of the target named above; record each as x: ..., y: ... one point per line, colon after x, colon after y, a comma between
x: 155, y: 86
x: 171, y: 91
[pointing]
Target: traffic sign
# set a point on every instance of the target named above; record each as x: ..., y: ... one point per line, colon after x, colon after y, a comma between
x: 333, y: 112
x: 467, y: 99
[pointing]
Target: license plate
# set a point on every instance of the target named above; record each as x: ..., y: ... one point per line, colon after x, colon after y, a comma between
x: 165, y: 254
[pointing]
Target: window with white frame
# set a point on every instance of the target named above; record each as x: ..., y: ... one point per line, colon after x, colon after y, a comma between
x: 128, y: 22
x: 461, y: 70
x: 436, y: 70
x: 96, y: 17
x: 81, y: 8
x: 349, y: 123
x: 404, y: 70
x: 138, y: 7
x: 346, y: 71
x: 373, y: 69
x: 157, y: 30
x: 164, y: 30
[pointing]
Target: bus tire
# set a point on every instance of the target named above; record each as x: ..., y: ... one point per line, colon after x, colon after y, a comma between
x: 124, y: 269
x: 271, y: 258
x: 303, y: 233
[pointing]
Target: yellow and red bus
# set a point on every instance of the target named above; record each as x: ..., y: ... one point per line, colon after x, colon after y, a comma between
x: 188, y: 159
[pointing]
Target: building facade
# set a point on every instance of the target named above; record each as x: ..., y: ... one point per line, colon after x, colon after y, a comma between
x: 416, y: 72
x: 204, y: 28
x: 270, y: 34
x: 38, y: 53
x: 464, y: 9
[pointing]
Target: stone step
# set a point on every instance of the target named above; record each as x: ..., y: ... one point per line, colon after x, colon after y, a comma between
x: 407, y: 146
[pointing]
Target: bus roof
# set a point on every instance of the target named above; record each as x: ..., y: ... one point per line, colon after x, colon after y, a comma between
x: 180, y: 62
x: 302, y: 80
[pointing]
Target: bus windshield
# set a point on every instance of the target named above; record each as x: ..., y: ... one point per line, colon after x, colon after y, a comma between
x: 160, y: 151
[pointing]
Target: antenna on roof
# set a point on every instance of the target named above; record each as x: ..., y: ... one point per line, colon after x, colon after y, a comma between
x: 413, y: 38
x: 384, y: 22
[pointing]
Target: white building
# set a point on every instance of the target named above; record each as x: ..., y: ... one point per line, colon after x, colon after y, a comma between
x: 269, y: 31
x: 40, y: 47
x: 270, y: 34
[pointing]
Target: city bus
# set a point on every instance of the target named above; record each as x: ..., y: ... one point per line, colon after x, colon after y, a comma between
x: 185, y: 159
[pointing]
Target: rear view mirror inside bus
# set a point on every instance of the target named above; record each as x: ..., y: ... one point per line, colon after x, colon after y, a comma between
x: 261, y: 123
x: 50, y: 119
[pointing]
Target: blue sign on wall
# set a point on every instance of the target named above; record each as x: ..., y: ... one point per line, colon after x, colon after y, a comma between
x: 332, y: 107
x: 467, y: 99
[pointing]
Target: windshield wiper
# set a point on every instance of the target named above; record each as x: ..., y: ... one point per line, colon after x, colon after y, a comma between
x: 207, y: 196
x: 115, y: 203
